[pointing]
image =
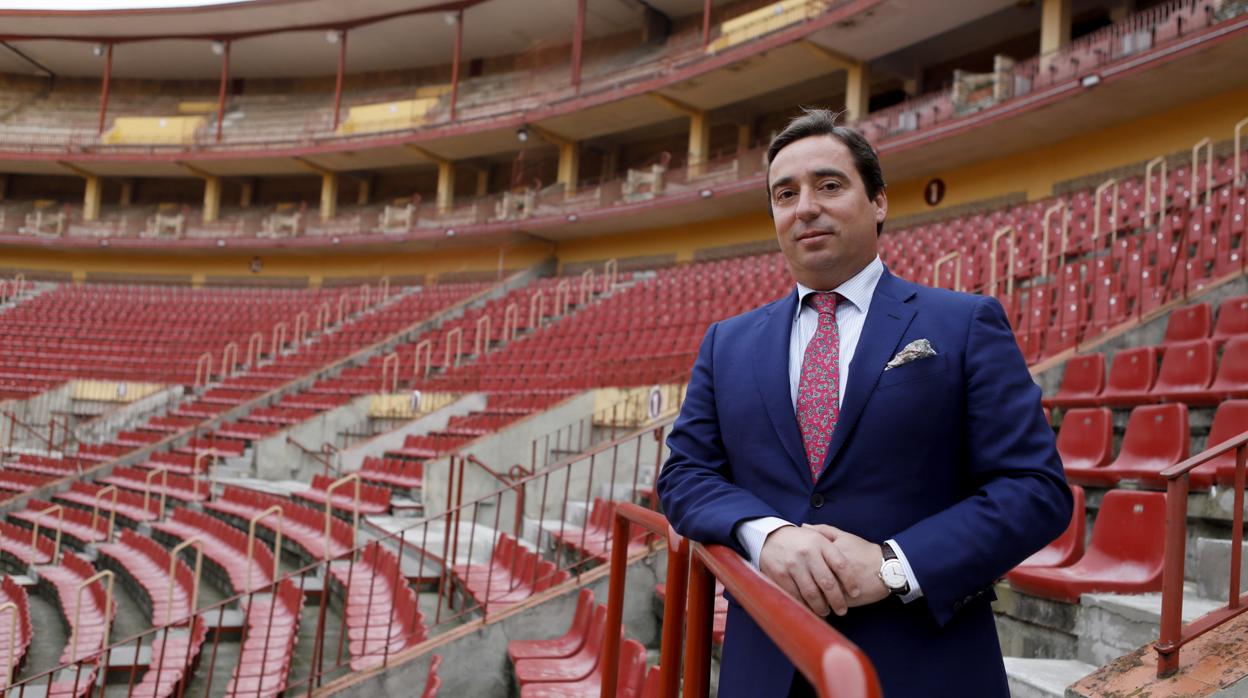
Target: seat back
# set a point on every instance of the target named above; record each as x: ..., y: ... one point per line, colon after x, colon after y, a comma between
x: 434, y: 683
x: 1187, y: 365
x: 1232, y: 318
x: 1229, y: 421
x: 1189, y: 323
x: 1130, y: 527
x: 1086, y: 437
x: 1133, y: 370
x: 1084, y: 376
x: 1233, y: 368
x: 1157, y: 437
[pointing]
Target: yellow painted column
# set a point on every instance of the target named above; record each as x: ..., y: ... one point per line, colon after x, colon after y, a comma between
x: 329, y: 195
x: 91, y: 198
x: 699, y: 142
x: 857, y: 91
x: 212, y: 199
x: 569, y: 165
x: 1054, y: 26
x: 446, y: 185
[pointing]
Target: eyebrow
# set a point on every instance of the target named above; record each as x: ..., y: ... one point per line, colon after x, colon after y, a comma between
x: 818, y: 174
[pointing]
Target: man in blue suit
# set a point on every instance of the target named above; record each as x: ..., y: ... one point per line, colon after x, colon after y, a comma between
x: 875, y: 447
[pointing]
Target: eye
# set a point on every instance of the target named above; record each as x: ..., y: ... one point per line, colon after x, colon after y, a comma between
x: 784, y: 194
x: 830, y: 185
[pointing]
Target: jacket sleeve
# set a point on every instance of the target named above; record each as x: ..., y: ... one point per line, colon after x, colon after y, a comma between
x: 1020, y: 500
x: 696, y: 486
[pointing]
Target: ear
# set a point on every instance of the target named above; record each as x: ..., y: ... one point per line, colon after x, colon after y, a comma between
x: 881, y: 206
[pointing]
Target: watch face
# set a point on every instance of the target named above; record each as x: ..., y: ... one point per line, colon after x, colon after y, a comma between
x: 894, y: 576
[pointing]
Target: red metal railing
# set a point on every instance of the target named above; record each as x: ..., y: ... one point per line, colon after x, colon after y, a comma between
x: 1173, y: 633
x: 832, y: 664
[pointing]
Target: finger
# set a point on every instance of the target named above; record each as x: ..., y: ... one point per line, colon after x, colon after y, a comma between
x: 810, y: 591
x: 840, y: 565
x: 829, y: 586
x: 829, y: 532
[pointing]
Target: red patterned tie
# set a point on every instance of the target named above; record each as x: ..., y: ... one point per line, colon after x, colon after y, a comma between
x: 819, y: 389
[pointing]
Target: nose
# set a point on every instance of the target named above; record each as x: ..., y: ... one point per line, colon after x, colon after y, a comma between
x: 807, y: 207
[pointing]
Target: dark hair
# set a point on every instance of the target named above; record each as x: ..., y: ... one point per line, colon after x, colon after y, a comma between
x: 822, y: 122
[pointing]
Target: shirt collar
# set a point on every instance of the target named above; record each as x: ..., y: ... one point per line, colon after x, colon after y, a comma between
x: 858, y: 289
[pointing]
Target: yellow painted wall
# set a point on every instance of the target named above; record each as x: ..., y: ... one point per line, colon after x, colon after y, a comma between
x: 316, y: 266
x: 680, y: 240
x: 1036, y: 171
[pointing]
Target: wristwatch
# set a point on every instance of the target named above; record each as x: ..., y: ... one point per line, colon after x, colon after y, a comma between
x: 892, y: 573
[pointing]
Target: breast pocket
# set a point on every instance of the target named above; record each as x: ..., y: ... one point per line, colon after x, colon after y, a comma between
x: 914, y: 370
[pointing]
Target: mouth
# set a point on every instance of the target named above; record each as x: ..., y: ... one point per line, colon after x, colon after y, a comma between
x: 811, y: 234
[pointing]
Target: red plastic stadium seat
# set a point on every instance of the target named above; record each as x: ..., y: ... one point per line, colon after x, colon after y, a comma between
x: 1230, y: 421
x: 1157, y: 437
x: 564, y: 646
x: 1082, y: 382
x: 571, y: 668
x: 434, y: 683
x: 1086, y: 438
x: 1189, y: 323
x: 1186, y: 372
x: 1232, y: 378
x: 1232, y: 319
x: 629, y: 681
x: 1126, y: 554
x: 1131, y: 377
x: 1068, y: 547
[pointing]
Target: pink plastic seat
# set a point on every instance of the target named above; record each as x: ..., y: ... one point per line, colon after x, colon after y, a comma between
x: 1086, y: 438
x: 1232, y: 319
x: 1186, y: 371
x: 571, y: 668
x: 1188, y: 324
x: 1232, y: 378
x: 1125, y: 556
x: 629, y: 681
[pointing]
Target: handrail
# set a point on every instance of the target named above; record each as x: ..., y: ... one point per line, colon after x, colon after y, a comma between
x: 586, y: 292
x: 832, y: 664
x: 511, y: 321
x: 108, y: 610
x: 329, y: 508
x: 956, y: 257
x: 1236, y: 172
x: 481, y: 339
x: 1205, y: 144
x: 301, y: 328
x: 342, y: 311
x: 277, y: 546
x: 164, y: 488
x: 320, y: 456
x: 30, y: 428
x: 427, y: 345
x: 1162, y: 181
x: 627, y: 515
x: 1097, y: 195
x: 992, y: 270
x: 34, y: 533
x: 203, y: 365
x: 458, y: 334
x: 229, y: 359
x: 390, y: 364
x: 255, y: 348
x: 198, y: 543
x: 1173, y: 634
x: 276, y: 345
x: 537, y: 308
x: 112, y: 513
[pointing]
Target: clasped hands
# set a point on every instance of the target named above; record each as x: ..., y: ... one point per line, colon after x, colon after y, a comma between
x: 824, y: 567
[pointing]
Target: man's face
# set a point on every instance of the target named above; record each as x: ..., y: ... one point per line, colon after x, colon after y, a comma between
x: 824, y: 221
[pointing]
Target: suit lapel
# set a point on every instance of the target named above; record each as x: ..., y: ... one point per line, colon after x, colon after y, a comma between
x: 887, y: 320
x: 771, y: 373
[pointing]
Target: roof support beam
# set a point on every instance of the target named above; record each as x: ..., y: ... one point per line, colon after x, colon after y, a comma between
x: 108, y: 74
x: 342, y: 67
x: 455, y: 58
x: 706, y: 24
x: 225, y: 78
x: 578, y: 44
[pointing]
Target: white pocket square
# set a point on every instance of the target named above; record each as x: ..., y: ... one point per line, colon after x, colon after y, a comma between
x: 918, y: 349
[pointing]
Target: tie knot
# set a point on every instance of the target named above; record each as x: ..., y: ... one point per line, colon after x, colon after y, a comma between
x: 824, y: 302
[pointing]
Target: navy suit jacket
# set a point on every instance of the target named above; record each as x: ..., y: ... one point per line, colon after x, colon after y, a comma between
x: 950, y: 455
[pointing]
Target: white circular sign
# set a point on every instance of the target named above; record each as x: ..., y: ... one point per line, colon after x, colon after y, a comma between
x: 654, y: 402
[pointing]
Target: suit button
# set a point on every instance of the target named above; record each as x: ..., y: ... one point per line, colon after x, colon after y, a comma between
x: 816, y: 500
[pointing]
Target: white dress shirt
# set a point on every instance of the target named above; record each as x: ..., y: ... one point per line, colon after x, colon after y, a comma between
x: 851, y: 315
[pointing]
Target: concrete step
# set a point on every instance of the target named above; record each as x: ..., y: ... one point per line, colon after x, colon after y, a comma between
x: 1043, y: 678
x: 1112, y: 625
